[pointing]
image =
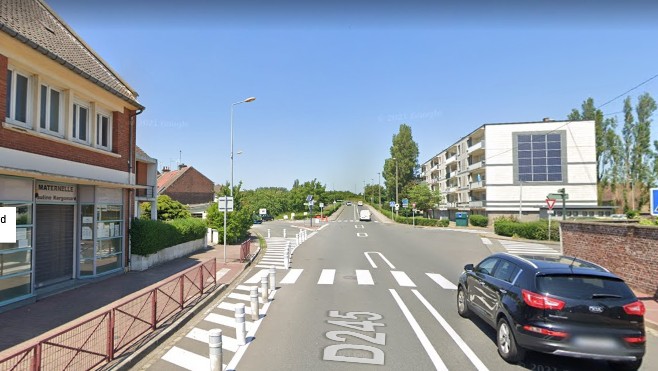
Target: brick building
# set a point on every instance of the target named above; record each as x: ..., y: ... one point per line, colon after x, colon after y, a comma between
x: 186, y: 185
x: 67, y: 155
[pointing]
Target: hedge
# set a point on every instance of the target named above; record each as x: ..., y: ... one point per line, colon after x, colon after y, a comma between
x: 478, y: 220
x: 530, y: 230
x: 150, y: 236
x: 427, y: 222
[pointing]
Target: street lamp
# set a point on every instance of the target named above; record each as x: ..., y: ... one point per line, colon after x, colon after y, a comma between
x: 379, y: 188
x: 250, y: 99
x: 372, y: 196
x: 396, y: 183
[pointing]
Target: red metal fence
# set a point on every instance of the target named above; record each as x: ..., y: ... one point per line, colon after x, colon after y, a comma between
x: 245, y: 251
x: 111, y: 330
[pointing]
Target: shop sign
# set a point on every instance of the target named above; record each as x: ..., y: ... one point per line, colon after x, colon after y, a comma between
x: 56, y: 192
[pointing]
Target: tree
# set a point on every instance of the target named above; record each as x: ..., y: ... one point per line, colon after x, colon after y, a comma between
x: 423, y: 196
x: 299, y: 192
x: 168, y: 209
x: 404, y: 156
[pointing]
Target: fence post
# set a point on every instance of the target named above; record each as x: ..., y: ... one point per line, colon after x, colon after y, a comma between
x: 201, y: 280
x: 110, y: 335
x: 253, y: 295
x: 215, y: 349
x: 154, y: 308
x: 181, y: 284
x: 263, y: 288
x: 36, y: 362
x: 240, y: 327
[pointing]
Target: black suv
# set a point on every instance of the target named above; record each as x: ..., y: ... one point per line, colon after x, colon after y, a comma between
x: 558, y: 305
x: 267, y: 217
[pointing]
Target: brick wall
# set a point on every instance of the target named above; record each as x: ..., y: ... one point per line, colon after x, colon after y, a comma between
x: 29, y: 143
x: 628, y: 250
x: 191, y: 187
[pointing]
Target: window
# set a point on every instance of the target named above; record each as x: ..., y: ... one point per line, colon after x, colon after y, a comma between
x: 80, y: 123
x: 487, y: 266
x: 18, y: 93
x: 103, y: 131
x: 50, y: 110
x: 506, y: 271
x: 539, y: 157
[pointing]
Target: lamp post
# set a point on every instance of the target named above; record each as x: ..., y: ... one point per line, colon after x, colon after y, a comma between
x: 372, y: 196
x: 396, y: 184
x: 250, y: 99
x: 379, y: 188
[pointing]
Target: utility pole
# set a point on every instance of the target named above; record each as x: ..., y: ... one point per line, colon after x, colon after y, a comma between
x: 379, y: 188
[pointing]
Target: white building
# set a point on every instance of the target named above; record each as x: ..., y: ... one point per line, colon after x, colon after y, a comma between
x: 511, y: 168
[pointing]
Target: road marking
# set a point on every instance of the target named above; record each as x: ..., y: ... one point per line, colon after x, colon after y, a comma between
x: 243, y: 297
x: 221, y: 273
x: 186, y: 359
x: 291, y: 277
x: 228, y: 343
x: 442, y: 281
x: 486, y: 241
x: 357, y: 226
x: 431, y: 352
x: 327, y: 277
x: 403, y: 279
x: 256, y: 277
x: 362, y: 235
x: 528, y: 248
x: 363, y: 277
x: 380, y: 255
x: 231, y: 307
x: 457, y: 339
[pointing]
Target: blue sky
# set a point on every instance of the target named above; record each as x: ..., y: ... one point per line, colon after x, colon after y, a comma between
x: 334, y: 81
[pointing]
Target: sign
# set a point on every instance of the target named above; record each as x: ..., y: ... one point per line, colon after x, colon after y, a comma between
x: 654, y: 201
x: 558, y: 196
x: 391, y: 204
x: 397, y: 207
x: 309, y: 198
x: 8, y: 225
x: 321, y: 205
x: 550, y: 202
x: 225, y: 203
x: 56, y: 192
x: 405, y: 203
x: 262, y: 211
x: 414, y: 206
x: 551, y: 212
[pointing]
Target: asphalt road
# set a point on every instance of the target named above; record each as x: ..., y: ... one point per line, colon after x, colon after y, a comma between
x: 358, y: 296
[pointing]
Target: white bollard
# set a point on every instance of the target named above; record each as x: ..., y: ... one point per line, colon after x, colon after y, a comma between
x: 253, y: 295
x: 240, y: 325
x: 297, y: 238
x: 263, y: 288
x: 273, y: 277
x: 284, y: 233
x: 269, y: 234
x: 286, y: 257
x: 289, y: 249
x: 215, y: 348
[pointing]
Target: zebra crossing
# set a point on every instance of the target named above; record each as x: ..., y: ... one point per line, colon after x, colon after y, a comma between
x: 528, y: 248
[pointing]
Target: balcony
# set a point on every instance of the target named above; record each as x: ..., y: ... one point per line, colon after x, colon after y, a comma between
x: 452, y: 189
x: 147, y: 192
x: 476, y: 185
x: 476, y: 165
x: 452, y: 158
x: 476, y: 146
x: 480, y: 203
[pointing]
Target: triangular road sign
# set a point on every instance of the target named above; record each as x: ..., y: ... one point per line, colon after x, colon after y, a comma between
x: 550, y: 202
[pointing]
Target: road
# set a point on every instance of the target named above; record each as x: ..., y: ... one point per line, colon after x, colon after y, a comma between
x: 373, y: 295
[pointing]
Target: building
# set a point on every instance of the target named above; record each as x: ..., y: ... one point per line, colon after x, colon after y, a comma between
x: 186, y: 185
x: 510, y: 168
x: 67, y: 155
x: 146, y: 174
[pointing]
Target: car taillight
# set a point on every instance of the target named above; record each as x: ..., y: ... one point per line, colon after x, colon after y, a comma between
x: 545, y: 331
x: 635, y: 309
x: 636, y: 340
x: 541, y: 301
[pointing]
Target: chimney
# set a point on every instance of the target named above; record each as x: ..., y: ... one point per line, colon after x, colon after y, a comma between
x: 547, y: 119
x: 180, y: 166
x: 165, y: 169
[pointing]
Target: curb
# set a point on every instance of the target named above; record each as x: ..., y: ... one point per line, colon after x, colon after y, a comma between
x: 143, y: 350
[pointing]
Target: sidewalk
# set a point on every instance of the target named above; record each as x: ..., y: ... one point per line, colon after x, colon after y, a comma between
x: 29, y: 321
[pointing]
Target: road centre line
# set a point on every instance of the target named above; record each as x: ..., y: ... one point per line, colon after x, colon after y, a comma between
x: 431, y: 352
x: 453, y: 334
x: 380, y: 255
x: 403, y: 279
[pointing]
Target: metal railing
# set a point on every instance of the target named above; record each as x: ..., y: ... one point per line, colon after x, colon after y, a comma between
x: 245, y: 249
x: 92, y: 341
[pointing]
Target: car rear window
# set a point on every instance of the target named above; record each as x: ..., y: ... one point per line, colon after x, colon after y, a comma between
x: 583, y: 287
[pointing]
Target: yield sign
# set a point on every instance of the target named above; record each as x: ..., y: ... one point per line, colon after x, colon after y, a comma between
x: 550, y: 202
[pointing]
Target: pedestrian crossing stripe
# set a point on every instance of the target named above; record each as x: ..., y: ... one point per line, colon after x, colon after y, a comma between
x: 291, y: 277
x: 228, y: 343
x: 186, y: 359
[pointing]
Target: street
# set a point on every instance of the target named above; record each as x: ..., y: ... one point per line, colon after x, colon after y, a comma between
x: 373, y: 295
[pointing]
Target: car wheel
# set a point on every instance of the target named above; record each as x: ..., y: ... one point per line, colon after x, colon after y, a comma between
x: 625, y: 366
x: 462, y: 303
x: 508, y: 349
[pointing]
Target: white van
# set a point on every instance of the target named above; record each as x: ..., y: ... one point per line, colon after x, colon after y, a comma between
x: 364, y: 215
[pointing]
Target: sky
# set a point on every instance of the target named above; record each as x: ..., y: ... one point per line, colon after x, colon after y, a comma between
x: 334, y: 80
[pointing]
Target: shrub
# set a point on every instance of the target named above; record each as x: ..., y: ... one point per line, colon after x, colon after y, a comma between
x: 537, y: 230
x: 444, y: 222
x: 632, y: 214
x: 479, y: 220
x: 150, y: 236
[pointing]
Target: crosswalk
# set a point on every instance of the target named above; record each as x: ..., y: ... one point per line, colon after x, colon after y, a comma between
x: 350, y: 221
x: 527, y: 248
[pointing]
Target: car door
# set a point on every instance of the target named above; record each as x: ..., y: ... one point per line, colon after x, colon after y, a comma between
x: 481, y: 293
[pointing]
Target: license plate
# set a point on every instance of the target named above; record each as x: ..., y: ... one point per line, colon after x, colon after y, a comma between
x: 595, y: 342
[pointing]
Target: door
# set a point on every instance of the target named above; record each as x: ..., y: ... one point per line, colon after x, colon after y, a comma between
x: 54, y: 244
x: 480, y: 291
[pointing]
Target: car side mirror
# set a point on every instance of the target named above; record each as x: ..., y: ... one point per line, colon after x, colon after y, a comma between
x: 468, y: 267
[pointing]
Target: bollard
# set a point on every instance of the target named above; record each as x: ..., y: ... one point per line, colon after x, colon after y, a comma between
x: 215, y: 349
x: 253, y: 295
x: 240, y: 325
x: 286, y: 257
x: 273, y: 277
x: 284, y: 233
x: 263, y: 288
x: 289, y: 249
x: 269, y: 233
x: 297, y: 238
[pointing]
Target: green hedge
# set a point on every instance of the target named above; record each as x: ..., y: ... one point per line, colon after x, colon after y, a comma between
x: 150, y: 236
x: 478, y: 220
x: 427, y: 222
x: 530, y: 230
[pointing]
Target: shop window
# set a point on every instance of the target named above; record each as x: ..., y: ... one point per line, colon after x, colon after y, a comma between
x: 16, y: 258
x: 18, y: 98
x: 109, y: 238
x: 87, y: 252
x: 50, y: 111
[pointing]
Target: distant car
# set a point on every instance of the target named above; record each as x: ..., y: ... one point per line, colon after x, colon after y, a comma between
x: 348, y: 203
x: 619, y: 216
x: 267, y: 217
x: 364, y: 215
x: 557, y: 305
x: 258, y: 221
x: 360, y: 203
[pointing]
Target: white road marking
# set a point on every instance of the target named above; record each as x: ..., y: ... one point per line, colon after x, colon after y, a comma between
x: 247, y: 288
x: 362, y: 235
x: 225, y: 321
x: 231, y: 307
x: 442, y: 281
x: 457, y: 339
x: 186, y: 359
x: 222, y: 272
x: 228, y: 342
x: 381, y: 256
x: 242, y: 297
x: 403, y: 279
x: 486, y: 241
x: 256, y: 277
x: 327, y: 277
x: 529, y: 248
x: 363, y: 277
x: 431, y: 352
x: 291, y: 277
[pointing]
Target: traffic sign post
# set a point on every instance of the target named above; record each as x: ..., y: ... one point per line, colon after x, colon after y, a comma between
x: 560, y: 195
x: 550, y: 202
x: 654, y: 201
